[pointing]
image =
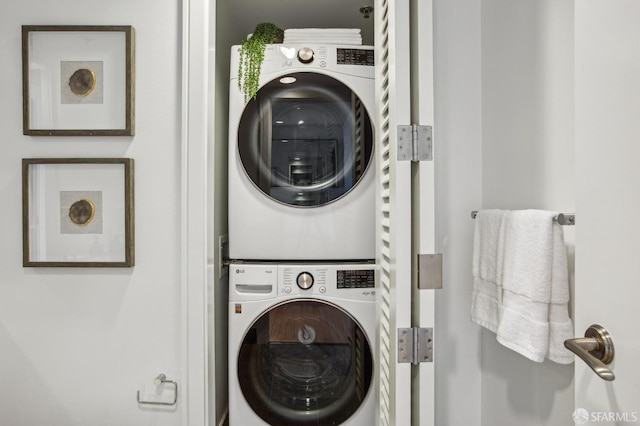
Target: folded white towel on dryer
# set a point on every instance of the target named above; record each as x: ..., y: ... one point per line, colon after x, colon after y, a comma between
x: 350, y: 36
x: 315, y: 40
x: 339, y: 31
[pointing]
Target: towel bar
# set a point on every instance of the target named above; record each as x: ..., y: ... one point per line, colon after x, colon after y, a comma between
x: 562, y: 218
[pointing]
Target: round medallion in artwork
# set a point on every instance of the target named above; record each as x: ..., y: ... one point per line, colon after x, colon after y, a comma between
x: 82, y: 81
x: 81, y: 212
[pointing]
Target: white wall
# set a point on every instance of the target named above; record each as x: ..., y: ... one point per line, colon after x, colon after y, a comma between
x: 458, y: 191
x: 527, y: 162
x: 607, y: 100
x: 76, y: 344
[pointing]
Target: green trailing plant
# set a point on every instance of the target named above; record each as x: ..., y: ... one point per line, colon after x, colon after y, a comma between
x: 251, y: 56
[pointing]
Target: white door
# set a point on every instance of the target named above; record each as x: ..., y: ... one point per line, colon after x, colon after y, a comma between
x: 607, y: 144
x: 423, y: 209
x: 395, y: 382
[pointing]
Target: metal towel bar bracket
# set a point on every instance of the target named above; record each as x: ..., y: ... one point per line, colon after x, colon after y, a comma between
x: 161, y: 379
x: 561, y: 218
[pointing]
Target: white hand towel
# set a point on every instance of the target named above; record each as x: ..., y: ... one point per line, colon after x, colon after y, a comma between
x: 560, y: 325
x: 535, y: 287
x: 488, y: 251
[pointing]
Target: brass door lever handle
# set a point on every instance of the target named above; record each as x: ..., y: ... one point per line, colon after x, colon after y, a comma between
x: 595, y: 349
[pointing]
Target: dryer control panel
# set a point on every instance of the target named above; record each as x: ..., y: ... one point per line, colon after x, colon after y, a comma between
x: 356, y: 60
x: 355, y: 56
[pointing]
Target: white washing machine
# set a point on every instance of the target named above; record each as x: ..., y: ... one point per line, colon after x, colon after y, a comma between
x: 301, y: 156
x: 301, y: 344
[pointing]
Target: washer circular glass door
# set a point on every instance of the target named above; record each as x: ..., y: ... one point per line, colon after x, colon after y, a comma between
x: 305, y: 139
x: 305, y: 362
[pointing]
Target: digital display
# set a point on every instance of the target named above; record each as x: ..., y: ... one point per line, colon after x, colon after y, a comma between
x: 361, y: 278
x: 355, y: 57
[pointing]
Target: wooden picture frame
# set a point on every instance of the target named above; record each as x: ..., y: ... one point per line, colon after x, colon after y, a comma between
x: 78, y: 212
x: 78, y: 80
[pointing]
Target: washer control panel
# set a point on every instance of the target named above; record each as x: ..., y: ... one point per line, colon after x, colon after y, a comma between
x: 355, y: 278
x: 269, y: 280
x: 355, y: 281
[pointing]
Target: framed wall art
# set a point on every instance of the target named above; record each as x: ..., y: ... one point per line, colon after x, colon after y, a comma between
x: 77, y: 212
x: 78, y: 80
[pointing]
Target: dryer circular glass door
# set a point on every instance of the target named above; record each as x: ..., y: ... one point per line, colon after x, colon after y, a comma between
x: 305, y: 140
x: 305, y: 362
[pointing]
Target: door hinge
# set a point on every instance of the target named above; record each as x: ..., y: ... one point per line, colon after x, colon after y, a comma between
x: 415, y: 345
x: 430, y: 271
x: 415, y: 143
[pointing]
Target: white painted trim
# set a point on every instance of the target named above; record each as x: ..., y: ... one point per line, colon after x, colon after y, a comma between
x: 423, y: 220
x: 194, y: 210
x: 400, y: 104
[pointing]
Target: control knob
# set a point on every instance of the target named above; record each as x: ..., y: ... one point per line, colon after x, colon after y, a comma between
x: 305, y: 280
x: 305, y: 55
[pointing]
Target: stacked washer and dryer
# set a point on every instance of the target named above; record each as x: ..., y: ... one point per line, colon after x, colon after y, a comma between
x: 301, y: 239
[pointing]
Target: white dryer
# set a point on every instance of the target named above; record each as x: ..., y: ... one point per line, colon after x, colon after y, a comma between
x: 301, y: 156
x: 301, y: 344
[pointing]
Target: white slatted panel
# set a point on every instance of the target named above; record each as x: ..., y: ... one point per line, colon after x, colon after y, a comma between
x: 394, y: 210
x: 384, y: 290
x: 383, y: 256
